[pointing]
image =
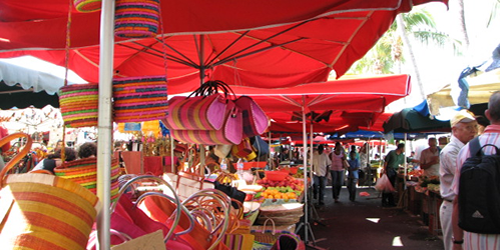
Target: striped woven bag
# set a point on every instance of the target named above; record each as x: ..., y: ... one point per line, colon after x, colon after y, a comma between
x: 137, y: 18
x: 40, y: 211
x: 85, y: 6
x: 197, y: 113
x: 84, y: 172
x: 231, y: 133
x: 139, y: 99
x: 79, y: 105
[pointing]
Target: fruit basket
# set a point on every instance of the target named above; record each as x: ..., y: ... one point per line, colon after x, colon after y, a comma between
x: 284, y: 214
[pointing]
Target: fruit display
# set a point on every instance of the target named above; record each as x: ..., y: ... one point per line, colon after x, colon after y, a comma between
x: 289, y: 181
x: 287, y: 189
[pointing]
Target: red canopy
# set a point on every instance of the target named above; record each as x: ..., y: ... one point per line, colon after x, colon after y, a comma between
x: 355, y: 103
x: 266, y: 44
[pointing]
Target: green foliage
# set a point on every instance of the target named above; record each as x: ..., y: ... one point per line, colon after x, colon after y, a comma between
x: 388, y: 52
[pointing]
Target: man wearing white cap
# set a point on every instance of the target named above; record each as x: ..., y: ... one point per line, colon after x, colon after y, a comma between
x: 463, y: 129
x: 469, y: 240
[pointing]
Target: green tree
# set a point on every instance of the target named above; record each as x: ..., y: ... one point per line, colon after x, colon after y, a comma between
x: 386, y: 57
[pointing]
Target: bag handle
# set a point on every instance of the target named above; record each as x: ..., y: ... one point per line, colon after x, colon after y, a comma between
x: 273, y: 232
x: 125, y: 186
x: 213, y: 87
x: 170, y: 198
x: 26, y: 149
x: 219, y: 202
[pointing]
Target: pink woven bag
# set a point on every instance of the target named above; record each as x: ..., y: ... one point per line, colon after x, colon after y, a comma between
x: 255, y: 121
x: 230, y: 133
x: 197, y: 113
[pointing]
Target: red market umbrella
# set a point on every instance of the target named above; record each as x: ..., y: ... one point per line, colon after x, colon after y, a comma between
x: 273, y: 44
x: 309, y: 49
x: 355, y: 103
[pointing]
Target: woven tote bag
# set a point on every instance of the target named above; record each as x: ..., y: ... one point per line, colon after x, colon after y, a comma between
x: 137, y: 18
x: 139, y: 99
x: 79, y: 105
x: 40, y: 211
x: 197, y: 113
x: 85, y: 6
x: 84, y: 172
x: 43, y: 211
x: 231, y: 133
x: 255, y: 121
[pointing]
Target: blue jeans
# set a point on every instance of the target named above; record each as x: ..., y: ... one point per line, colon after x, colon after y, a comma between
x: 351, y: 186
x: 337, y: 182
x: 319, y: 187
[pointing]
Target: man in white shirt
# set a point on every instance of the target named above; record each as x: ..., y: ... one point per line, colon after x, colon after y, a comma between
x: 463, y: 129
x: 429, y: 158
x: 321, y: 161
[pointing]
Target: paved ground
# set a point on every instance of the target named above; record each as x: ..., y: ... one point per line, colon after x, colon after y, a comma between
x: 364, y: 224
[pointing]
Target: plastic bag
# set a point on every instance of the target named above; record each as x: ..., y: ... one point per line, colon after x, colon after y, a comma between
x: 384, y: 185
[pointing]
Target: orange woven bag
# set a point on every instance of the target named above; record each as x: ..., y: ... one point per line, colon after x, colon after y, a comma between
x: 40, y: 211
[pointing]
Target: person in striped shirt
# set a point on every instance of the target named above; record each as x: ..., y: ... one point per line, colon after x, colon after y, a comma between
x: 468, y: 240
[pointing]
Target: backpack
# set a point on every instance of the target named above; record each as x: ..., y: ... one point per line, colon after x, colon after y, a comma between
x: 479, y: 191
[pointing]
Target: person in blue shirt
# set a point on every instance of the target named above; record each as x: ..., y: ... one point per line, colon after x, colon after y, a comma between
x: 352, y: 180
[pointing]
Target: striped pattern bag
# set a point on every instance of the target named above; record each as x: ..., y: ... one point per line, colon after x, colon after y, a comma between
x: 197, y: 113
x: 137, y: 18
x: 40, y: 211
x: 79, y: 105
x: 84, y: 172
x: 139, y: 99
x: 231, y: 133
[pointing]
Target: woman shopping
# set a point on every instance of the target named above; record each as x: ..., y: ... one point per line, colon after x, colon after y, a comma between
x: 337, y: 170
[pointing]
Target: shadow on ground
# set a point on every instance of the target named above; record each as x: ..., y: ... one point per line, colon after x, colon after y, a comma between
x: 364, y: 224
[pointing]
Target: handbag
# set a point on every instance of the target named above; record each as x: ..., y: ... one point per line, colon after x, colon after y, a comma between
x: 200, y: 123
x: 137, y: 18
x: 159, y: 209
x: 244, y: 150
x: 138, y: 99
x: 255, y: 121
x: 197, y: 113
x: 84, y: 172
x: 128, y: 219
x: 41, y: 211
x: 384, y: 185
x: 79, y: 104
x: 203, y: 109
x: 231, y: 133
x: 276, y: 239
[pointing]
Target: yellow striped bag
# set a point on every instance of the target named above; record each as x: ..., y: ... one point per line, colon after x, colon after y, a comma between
x: 40, y: 211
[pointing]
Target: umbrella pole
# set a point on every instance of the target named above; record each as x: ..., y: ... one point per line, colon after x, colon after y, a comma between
x: 305, y: 224
x: 201, y: 55
x: 105, y: 122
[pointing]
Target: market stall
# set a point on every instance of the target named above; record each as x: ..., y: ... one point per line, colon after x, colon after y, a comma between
x: 85, y: 35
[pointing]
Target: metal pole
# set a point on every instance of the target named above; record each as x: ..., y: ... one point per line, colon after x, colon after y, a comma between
x: 105, y: 122
x: 304, y: 139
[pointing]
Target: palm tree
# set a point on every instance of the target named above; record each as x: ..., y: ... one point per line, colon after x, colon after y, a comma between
x: 386, y: 57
